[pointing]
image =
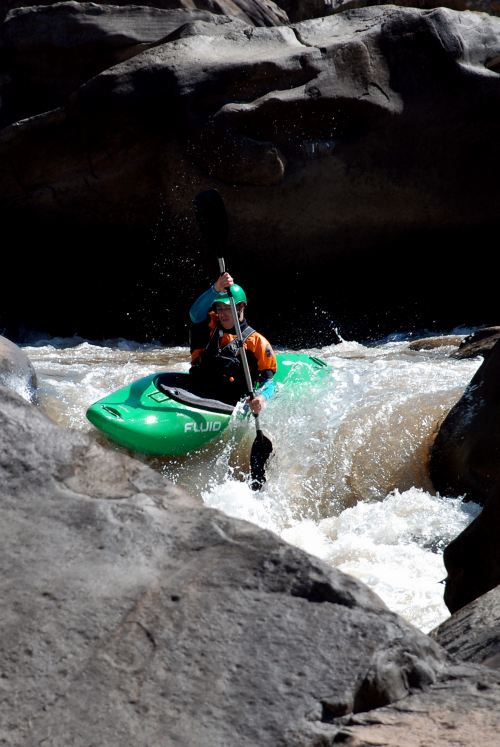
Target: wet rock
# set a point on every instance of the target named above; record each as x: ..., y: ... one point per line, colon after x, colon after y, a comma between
x: 431, y: 343
x: 479, y: 342
x: 464, y: 461
x: 16, y: 370
x: 472, y: 559
x: 465, y: 456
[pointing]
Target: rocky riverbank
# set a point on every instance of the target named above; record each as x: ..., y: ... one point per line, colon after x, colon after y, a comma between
x: 134, y: 614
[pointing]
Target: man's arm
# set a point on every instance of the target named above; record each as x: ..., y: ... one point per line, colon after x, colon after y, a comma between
x: 265, y: 384
x: 199, y: 310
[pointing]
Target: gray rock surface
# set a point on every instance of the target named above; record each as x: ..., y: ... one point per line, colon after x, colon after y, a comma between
x: 452, y: 713
x: 50, y: 51
x: 133, y: 615
x: 473, y: 633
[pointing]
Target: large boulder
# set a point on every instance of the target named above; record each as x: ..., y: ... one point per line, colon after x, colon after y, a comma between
x: 465, y: 455
x: 256, y: 107
x: 335, y: 143
x: 258, y: 12
x: 131, y: 614
x: 464, y: 461
x: 50, y: 51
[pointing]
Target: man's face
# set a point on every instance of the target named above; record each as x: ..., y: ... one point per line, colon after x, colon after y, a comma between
x: 223, y: 311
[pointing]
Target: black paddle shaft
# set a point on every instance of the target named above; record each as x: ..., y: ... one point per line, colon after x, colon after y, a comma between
x: 236, y: 322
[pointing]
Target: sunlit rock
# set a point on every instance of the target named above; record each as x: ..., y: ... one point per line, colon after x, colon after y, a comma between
x: 84, y: 40
x: 431, y: 343
x: 472, y: 632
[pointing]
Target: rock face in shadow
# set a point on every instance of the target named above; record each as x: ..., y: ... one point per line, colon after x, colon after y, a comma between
x: 479, y: 342
x: 465, y: 456
x: 322, y: 96
x: 129, y: 610
x: 52, y: 50
x: 472, y: 559
x: 464, y: 461
x: 335, y: 142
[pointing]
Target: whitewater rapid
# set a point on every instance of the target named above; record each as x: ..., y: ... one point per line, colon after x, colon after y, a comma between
x: 347, y: 480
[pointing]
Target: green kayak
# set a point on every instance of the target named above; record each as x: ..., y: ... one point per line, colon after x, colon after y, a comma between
x: 159, y: 415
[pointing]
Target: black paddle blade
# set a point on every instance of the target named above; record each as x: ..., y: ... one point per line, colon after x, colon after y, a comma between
x: 212, y: 219
x: 261, y: 451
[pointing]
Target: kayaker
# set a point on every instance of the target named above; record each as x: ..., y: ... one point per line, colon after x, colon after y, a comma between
x: 216, y: 369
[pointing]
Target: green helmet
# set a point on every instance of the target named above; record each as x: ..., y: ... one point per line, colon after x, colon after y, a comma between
x: 237, y: 293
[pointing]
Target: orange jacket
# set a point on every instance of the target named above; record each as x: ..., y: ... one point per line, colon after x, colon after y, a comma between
x: 254, y: 343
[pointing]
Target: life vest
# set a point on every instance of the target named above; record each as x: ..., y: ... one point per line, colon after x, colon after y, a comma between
x: 217, y: 370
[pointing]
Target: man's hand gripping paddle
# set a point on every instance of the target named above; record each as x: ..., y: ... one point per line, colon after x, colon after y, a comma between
x: 212, y: 220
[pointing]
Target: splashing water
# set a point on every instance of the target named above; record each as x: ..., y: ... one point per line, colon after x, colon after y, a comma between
x: 347, y: 480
